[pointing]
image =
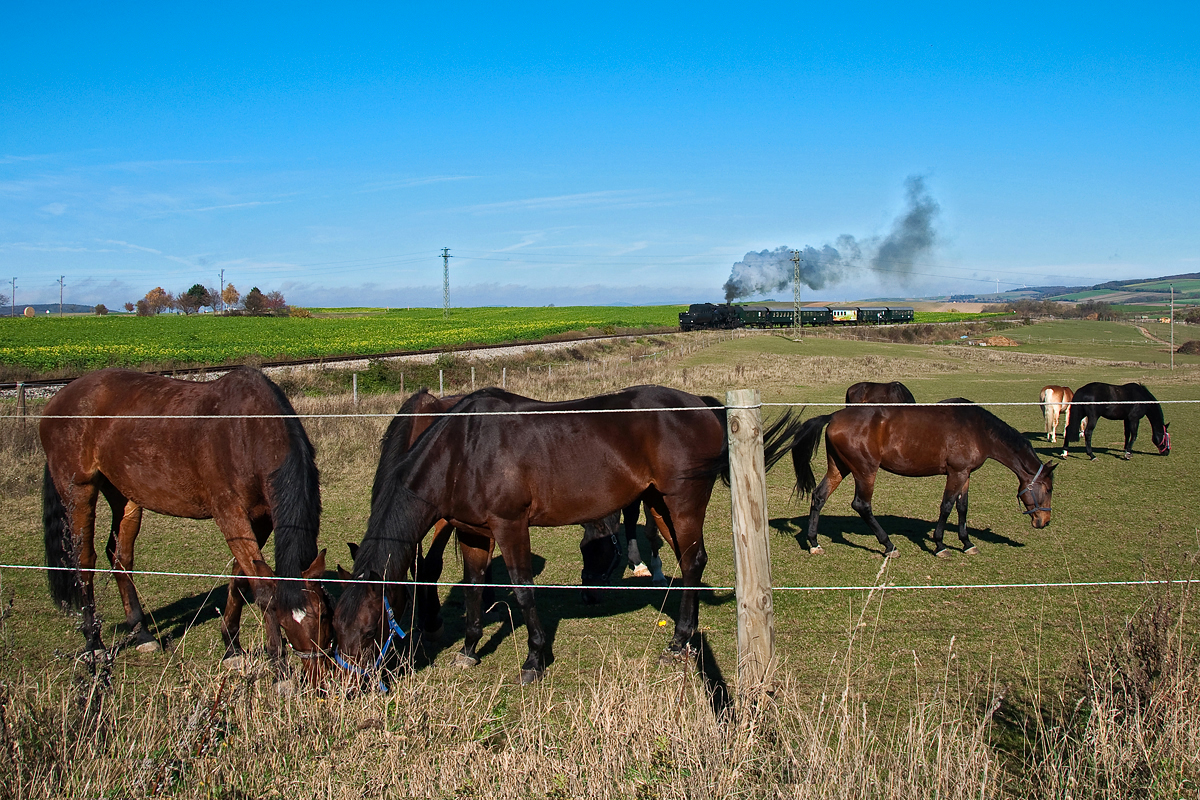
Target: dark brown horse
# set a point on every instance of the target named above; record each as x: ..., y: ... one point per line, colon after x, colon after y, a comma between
x: 193, y: 450
x: 920, y: 441
x: 1128, y: 403
x: 867, y: 392
x: 492, y: 474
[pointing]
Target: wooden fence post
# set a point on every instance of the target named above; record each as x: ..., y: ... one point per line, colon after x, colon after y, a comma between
x: 441, y: 385
x: 751, y: 546
x: 472, y: 379
x: 21, y: 400
x: 354, y: 385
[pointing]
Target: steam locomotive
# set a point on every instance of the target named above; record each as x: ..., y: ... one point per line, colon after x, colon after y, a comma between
x: 710, y: 315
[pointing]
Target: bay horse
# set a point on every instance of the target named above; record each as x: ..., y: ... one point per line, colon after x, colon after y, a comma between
x: 917, y: 442
x: 867, y: 392
x: 1128, y: 403
x: 492, y: 474
x: 1055, y: 401
x: 192, y: 450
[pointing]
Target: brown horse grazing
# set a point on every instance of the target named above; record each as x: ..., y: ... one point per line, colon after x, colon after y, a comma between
x: 102, y: 436
x: 924, y: 440
x: 867, y: 392
x: 1055, y: 400
x: 492, y: 477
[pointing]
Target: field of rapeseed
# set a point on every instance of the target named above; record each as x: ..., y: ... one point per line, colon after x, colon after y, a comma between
x: 83, y: 343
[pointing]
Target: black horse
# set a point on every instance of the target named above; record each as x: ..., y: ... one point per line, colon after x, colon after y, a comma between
x: 1128, y: 403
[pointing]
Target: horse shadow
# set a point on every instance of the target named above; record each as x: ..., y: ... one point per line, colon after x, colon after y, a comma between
x: 918, y: 532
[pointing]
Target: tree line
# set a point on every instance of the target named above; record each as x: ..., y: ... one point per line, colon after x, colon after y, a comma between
x: 228, y: 301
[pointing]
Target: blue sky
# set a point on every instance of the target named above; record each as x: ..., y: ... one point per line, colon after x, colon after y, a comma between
x: 615, y: 153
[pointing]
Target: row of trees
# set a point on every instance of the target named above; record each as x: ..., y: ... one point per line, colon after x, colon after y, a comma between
x: 158, y: 300
x: 1090, y: 309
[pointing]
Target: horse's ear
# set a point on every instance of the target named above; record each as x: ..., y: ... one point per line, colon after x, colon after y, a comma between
x: 353, y: 549
x: 343, y: 575
x: 1050, y: 465
x: 316, y: 569
x: 1166, y: 425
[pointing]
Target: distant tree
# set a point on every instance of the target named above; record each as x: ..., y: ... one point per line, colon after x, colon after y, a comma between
x: 255, y: 301
x: 193, y: 299
x: 274, y: 302
x: 1193, y: 316
x: 159, y: 300
x: 130, y: 306
x: 212, y: 298
x: 143, y: 308
x: 3, y: 300
x: 100, y: 310
x: 230, y: 296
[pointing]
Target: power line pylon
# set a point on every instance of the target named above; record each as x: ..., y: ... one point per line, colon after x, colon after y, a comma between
x: 446, y: 282
x: 796, y: 321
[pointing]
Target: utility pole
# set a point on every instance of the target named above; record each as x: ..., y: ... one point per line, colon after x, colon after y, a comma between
x: 446, y: 282
x: 221, y: 296
x: 1172, y: 326
x: 796, y: 321
x: 13, y: 313
x: 61, y: 278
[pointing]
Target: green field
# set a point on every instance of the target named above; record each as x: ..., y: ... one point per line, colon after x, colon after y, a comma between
x: 81, y: 343
x: 1113, y: 520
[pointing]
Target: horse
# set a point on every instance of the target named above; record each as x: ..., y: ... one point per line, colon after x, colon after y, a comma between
x: 1055, y: 400
x: 1128, y: 403
x: 193, y: 450
x: 917, y: 442
x: 492, y: 473
x: 867, y: 392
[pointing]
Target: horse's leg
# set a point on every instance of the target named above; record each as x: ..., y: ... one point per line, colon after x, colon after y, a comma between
x: 633, y: 554
x: 245, y: 538
x: 1131, y: 431
x: 513, y: 538
x: 685, y: 530
x: 81, y: 500
x: 429, y: 570
x: 126, y: 522
x: 827, y: 486
x: 968, y: 546
x: 955, y: 488
x: 231, y: 620
x: 655, y: 539
x: 477, y: 555
x: 1087, y: 434
x: 864, y: 489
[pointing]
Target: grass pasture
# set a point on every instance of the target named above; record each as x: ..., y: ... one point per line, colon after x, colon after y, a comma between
x: 885, y: 693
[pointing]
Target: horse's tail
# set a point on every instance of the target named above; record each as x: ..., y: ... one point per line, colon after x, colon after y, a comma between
x: 60, y: 547
x: 803, y: 447
x: 778, y: 437
x: 295, y: 505
x: 1045, y: 398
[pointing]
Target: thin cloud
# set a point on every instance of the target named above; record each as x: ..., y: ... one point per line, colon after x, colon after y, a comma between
x: 613, y: 198
x: 408, y: 183
x: 131, y: 246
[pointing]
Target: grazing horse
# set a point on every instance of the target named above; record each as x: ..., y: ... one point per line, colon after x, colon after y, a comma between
x: 1055, y: 400
x: 1128, y: 403
x: 193, y: 450
x: 492, y: 474
x: 867, y: 392
x: 917, y: 442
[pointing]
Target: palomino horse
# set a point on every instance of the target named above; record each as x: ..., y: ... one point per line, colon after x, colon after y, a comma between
x: 194, y: 450
x: 920, y: 441
x: 492, y: 473
x: 1128, y: 403
x: 1056, y: 401
x: 867, y: 392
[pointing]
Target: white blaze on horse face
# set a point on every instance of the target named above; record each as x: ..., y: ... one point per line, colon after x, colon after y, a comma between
x: 299, y: 614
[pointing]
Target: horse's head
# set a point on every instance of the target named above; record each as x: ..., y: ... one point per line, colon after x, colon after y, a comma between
x: 1035, y: 495
x: 1163, y: 440
x: 364, y: 623
x: 308, y: 626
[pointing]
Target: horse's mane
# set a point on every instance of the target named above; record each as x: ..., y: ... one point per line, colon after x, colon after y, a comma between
x: 296, y: 503
x: 398, y: 521
x: 999, y: 430
x: 394, y: 443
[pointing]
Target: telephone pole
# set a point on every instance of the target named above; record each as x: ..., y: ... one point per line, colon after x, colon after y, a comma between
x: 13, y: 313
x: 221, y: 296
x: 796, y: 321
x: 1172, y: 326
x: 446, y: 282
x: 61, y: 278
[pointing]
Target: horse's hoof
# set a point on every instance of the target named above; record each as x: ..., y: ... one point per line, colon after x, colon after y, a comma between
x: 1091, y: 458
x: 463, y: 661
x: 234, y: 663
x: 660, y: 581
x: 148, y: 647
x: 943, y: 553
x: 671, y: 657
x: 640, y: 571
x: 893, y: 553
x: 1128, y: 456
x: 972, y: 550
x: 1063, y: 455
x: 816, y: 550
x: 529, y: 676
x: 286, y: 687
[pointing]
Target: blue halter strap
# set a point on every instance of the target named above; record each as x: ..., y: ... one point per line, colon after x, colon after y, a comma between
x: 1029, y: 488
x: 395, y: 632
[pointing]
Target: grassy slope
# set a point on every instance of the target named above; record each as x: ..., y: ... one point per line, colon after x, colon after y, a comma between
x: 1112, y: 520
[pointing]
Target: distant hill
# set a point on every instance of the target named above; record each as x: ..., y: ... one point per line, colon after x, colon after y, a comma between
x: 1137, y: 291
x: 41, y: 308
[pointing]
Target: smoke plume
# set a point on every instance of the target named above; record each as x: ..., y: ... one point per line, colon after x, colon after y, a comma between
x: 893, y: 256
